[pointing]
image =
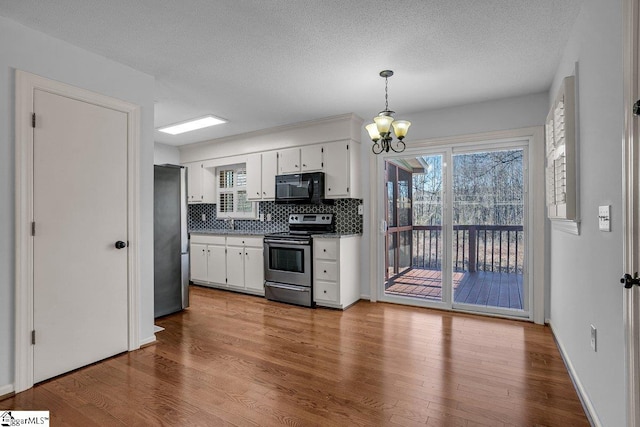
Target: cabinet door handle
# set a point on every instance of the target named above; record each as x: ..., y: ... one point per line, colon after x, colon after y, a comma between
x: 324, y: 250
x: 304, y: 166
x: 325, y: 271
x: 324, y: 292
x: 296, y: 166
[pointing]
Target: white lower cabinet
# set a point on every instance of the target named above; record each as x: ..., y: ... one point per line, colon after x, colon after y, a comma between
x: 230, y: 262
x: 199, y: 262
x: 336, y: 271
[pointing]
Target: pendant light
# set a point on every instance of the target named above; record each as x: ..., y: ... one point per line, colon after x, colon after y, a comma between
x: 380, y: 129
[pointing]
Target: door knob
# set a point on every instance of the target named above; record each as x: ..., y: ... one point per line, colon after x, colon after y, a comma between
x: 120, y: 244
x: 629, y: 281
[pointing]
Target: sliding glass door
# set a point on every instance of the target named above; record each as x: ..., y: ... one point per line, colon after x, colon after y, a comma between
x: 488, y: 246
x: 456, y: 229
x: 414, y: 212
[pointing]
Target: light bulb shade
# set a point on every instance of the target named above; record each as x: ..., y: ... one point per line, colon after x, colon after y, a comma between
x: 383, y: 123
x: 372, y: 128
x: 400, y: 128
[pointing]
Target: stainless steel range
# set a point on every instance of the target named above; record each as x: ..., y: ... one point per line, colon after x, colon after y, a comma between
x: 288, y: 259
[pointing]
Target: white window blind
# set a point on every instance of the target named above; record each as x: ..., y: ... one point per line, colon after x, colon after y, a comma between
x: 232, y: 193
x: 560, y: 153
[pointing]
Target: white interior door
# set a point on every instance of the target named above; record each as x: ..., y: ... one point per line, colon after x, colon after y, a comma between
x: 80, y: 289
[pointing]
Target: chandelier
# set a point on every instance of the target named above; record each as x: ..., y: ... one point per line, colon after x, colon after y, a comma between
x: 380, y: 130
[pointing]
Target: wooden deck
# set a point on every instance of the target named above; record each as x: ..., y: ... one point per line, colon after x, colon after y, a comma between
x: 502, y: 290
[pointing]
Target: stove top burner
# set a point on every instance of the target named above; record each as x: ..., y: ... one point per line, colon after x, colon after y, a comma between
x: 303, y: 226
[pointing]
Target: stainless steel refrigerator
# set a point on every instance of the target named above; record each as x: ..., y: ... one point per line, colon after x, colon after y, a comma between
x: 171, y: 240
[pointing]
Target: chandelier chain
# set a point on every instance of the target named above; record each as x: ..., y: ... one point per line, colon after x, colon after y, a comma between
x: 386, y: 94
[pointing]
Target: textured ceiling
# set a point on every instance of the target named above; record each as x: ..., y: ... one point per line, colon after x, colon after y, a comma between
x: 264, y: 63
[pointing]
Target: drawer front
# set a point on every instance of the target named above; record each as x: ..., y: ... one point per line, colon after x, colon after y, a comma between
x: 208, y: 239
x: 327, y: 291
x: 244, y: 241
x: 326, y: 248
x: 326, y: 270
x: 253, y: 242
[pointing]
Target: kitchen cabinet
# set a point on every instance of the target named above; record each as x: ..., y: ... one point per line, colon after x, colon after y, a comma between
x: 308, y: 158
x: 342, y: 169
x: 205, y: 255
x: 262, y: 169
x: 336, y: 268
x: 245, y: 265
x: 198, y: 261
x: 200, y: 183
x: 230, y: 262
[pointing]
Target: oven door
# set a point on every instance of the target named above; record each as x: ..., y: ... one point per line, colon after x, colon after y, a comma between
x: 287, y: 262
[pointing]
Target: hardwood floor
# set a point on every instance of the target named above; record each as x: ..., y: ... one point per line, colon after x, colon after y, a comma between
x: 233, y: 359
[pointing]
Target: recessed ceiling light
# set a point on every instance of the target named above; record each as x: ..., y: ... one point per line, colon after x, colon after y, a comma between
x: 194, y: 124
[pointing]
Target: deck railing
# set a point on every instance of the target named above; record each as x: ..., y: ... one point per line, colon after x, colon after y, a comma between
x: 496, y: 248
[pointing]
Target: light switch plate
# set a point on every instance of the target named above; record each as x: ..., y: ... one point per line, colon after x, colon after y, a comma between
x: 604, y: 218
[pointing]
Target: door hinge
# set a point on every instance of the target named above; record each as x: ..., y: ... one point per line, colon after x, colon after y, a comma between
x: 33, y: 337
x: 33, y: 120
x: 33, y: 228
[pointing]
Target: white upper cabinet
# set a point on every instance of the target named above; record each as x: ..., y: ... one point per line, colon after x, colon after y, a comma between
x: 200, y: 183
x: 341, y: 169
x: 303, y: 159
x: 262, y: 169
x: 289, y: 161
x: 311, y: 158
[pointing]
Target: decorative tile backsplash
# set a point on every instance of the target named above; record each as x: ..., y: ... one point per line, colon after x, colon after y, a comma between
x: 346, y: 212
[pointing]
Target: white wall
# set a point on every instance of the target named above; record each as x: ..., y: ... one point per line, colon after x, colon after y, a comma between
x: 34, y: 52
x: 585, y: 269
x: 165, y: 154
x: 502, y: 114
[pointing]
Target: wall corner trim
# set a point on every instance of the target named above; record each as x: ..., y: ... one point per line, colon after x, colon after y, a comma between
x: 589, y: 409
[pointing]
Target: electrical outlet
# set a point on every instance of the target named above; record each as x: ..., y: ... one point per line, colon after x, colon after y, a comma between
x: 268, y: 217
x: 360, y: 210
x: 204, y: 217
x: 594, y: 338
x: 262, y: 217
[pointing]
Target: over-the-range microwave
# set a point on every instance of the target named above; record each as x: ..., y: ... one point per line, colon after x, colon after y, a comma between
x: 300, y: 188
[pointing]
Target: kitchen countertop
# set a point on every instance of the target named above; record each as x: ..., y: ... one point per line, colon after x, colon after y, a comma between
x: 336, y: 235
x: 225, y: 232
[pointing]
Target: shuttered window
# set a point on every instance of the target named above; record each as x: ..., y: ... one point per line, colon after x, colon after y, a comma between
x: 560, y: 153
x: 232, y: 193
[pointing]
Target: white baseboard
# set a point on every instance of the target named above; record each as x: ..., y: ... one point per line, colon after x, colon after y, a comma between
x: 582, y: 395
x: 148, y: 340
x: 6, y: 389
